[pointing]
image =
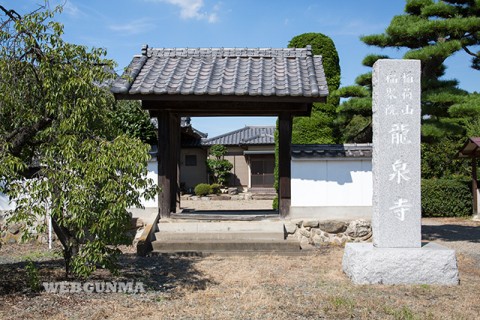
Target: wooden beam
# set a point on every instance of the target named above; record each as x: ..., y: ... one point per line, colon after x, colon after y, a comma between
x: 220, y: 98
x: 228, y: 108
x: 284, y: 157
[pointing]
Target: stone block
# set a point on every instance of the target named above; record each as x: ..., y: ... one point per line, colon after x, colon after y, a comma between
x: 310, y: 223
x: 232, y: 191
x: 358, y: 228
x: 333, y: 226
x: 430, y: 264
x: 290, y: 227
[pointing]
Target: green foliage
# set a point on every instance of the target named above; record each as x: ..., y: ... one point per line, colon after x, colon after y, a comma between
x: 218, y: 151
x: 132, y: 120
x: 215, y: 188
x: 59, y: 141
x: 202, y: 189
x: 446, y: 198
x: 324, y: 46
x: 354, y: 114
x: 313, y: 129
x: 438, y: 160
x: 33, y: 279
x: 319, y: 127
x: 218, y: 166
x: 466, y: 107
x: 275, y: 203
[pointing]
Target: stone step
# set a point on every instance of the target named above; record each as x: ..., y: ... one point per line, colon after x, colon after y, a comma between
x: 216, y: 216
x: 264, y: 196
x: 194, y: 226
x: 195, y: 236
x: 231, y: 246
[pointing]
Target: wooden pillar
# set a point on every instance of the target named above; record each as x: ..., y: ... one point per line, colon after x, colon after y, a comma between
x: 284, y: 166
x: 174, y: 154
x: 168, y: 156
x: 474, y: 185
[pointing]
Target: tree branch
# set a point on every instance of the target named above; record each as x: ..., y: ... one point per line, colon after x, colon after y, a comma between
x: 22, y: 136
x: 467, y: 50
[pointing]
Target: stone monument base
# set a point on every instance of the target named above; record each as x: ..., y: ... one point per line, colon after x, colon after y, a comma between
x: 430, y: 264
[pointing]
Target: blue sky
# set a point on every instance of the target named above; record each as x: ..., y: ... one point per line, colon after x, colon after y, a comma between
x: 122, y: 27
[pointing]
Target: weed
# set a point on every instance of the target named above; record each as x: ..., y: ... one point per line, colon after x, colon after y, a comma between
x: 403, y: 313
x: 33, y: 279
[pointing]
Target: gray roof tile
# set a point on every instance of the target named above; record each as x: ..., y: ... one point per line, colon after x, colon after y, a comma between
x: 251, y: 135
x: 360, y: 150
x: 224, y: 71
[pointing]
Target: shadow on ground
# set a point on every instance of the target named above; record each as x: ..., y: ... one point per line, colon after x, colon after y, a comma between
x: 157, y: 273
x: 451, y: 232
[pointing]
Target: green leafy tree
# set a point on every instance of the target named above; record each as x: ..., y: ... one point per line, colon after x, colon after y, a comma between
x: 218, y: 166
x: 60, y: 151
x: 319, y: 128
x: 132, y: 120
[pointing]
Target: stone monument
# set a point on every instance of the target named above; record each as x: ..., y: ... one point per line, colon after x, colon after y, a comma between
x: 397, y: 254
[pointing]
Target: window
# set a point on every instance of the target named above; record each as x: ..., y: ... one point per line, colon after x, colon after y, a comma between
x: 190, y: 160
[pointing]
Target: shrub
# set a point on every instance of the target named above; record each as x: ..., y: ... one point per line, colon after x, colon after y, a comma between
x: 202, y: 189
x: 446, y: 198
x: 215, y: 188
x: 275, y: 203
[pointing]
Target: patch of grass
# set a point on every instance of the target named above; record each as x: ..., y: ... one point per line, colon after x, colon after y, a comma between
x: 41, y: 255
x: 404, y: 313
x: 338, y: 305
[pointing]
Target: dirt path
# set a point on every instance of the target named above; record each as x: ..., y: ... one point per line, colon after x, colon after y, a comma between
x: 463, y: 235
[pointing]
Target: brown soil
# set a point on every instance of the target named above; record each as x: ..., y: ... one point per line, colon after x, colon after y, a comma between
x: 310, y: 286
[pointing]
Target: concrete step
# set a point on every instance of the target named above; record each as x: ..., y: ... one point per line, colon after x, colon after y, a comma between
x: 256, y: 215
x: 195, y: 236
x: 221, y: 226
x: 231, y: 246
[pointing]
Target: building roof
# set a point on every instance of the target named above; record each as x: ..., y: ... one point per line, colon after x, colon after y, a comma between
x: 470, y: 149
x: 360, y: 150
x: 249, y: 135
x: 208, y: 72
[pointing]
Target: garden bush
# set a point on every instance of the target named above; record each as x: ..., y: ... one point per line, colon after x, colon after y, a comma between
x: 202, y: 189
x: 215, y: 188
x: 446, y: 198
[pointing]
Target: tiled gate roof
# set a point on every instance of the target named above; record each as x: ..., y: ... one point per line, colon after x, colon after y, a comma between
x: 264, y: 72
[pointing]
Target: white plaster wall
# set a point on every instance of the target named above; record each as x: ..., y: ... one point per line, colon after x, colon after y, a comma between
x: 5, y: 203
x: 152, y: 168
x: 331, y: 183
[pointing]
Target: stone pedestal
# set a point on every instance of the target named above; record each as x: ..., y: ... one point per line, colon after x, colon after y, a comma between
x: 429, y: 264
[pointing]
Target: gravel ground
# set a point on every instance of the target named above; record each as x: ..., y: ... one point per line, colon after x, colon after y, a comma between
x: 463, y: 235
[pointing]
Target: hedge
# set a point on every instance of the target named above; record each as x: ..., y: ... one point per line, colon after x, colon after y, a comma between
x: 446, y: 198
x: 202, y: 189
